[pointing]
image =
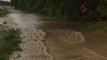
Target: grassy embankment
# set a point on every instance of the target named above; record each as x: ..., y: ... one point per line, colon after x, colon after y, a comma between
x: 3, y: 12
x: 9, y: 39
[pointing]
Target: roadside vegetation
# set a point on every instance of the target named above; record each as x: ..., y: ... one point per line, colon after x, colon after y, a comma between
x: 91, y: 13
x: 3, y: 12
x: 9, y: 41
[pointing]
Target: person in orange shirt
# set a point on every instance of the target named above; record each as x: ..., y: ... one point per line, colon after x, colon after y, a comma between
x: 83, y: 10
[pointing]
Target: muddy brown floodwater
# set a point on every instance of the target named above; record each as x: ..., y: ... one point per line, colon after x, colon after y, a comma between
x: 50, y: 39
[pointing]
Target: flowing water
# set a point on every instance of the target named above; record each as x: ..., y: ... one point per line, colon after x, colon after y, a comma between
x: 51, y: 39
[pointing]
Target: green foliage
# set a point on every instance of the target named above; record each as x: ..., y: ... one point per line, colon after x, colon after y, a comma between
x: 102, y: 7
x: 65, y: 9
x: 3, y: 12
x: 9, y: 41
x: 53, y: 8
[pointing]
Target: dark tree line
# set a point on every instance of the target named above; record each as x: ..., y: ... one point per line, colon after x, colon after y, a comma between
x: 69, y: 9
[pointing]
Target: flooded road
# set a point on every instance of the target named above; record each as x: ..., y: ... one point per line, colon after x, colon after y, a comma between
x: 61, y: 40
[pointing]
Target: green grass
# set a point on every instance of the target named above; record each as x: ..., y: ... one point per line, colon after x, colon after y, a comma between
x: 3, y: 12
x: 9, y: 41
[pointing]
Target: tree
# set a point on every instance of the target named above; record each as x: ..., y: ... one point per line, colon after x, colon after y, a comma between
x: 102, y: 7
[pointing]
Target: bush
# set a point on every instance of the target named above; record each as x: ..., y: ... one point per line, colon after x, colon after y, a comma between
x: 53, y: 8
x: 9, y: 41
x: 3, y: 12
